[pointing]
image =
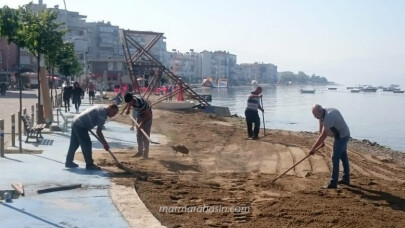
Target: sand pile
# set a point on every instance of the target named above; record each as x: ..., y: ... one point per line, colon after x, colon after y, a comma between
x: 223, y: 169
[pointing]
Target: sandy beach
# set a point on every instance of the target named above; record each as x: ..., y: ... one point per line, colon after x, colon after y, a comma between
x: 224, y: 169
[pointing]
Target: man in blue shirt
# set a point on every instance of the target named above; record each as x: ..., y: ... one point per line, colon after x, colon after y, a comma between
x: 87, y: 120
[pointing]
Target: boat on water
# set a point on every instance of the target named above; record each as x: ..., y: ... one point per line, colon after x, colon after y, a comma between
x: 307, y: 90
x: 210, y: 83
x: 332, y: 88
x: 349, y: 87
x: 175, y: 105
x: 355, y: 90
x: 398, y: 91
x: 370, y: 89
x: 222, y: 83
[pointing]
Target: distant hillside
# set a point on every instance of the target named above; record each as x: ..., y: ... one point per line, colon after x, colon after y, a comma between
x: 288, y: 77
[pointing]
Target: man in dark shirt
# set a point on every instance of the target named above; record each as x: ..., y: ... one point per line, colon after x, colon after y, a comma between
x: 251, y: 113
x: 144, y: 119
x: 67, y: 94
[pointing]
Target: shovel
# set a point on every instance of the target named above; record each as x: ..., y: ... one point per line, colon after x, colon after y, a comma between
x: 119, y: 165
x: 143, y: 132
x: 295, y: 164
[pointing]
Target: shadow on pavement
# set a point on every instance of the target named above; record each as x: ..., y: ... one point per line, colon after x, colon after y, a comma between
x: 83, y: 171
x: 12, y: 159
x: 48, y: 159
x: 31, y: 215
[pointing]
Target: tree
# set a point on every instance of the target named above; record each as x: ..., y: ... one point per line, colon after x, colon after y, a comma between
x: 42, y: 34
x: 11, y: 28
x: 67, y: 62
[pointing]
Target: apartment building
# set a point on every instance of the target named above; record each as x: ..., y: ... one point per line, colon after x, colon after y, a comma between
x: 217, y: 64
x: 264, y: 73
x: 187, y: 65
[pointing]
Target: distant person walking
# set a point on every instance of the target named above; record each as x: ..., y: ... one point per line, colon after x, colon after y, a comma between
x: 144, y: 119
x: 331, y: 123
x: 67, y: 94
x: 92, y: 90
x: 82, y: 123
x: 77, y: 96
x: 252, y: 114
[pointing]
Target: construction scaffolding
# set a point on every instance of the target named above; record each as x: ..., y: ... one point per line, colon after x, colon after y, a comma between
x: 140, y: 61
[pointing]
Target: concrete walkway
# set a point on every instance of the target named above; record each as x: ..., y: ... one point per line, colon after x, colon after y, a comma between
x: 88, y: 206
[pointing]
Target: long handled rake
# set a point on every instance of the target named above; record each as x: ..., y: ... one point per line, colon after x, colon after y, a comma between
x: 119, y: 165
x: 292, y: 167
x: 143, y: 132
x: 264, y: 124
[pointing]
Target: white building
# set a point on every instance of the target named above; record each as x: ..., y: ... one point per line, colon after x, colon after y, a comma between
x: 217, y: 64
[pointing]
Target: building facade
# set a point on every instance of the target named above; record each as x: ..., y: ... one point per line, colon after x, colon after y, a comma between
x: 263, y: 73
x: 218, y: 65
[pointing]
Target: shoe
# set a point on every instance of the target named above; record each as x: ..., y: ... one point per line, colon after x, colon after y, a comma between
x: 71, y: 165
x: 329, y: 186
x: 255, y: 137
x: 345, y: 182
x: 92, y: 167
x: 137, y: 155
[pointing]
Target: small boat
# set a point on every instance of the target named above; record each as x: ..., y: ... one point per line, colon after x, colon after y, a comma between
x: 175, y: 105
x: 398, y: 91
x: 307, y: 91
x: 332, y: 88
x: 370, y: 89
x: 355, y: 91
x: 349, y: 87
x: 222, y: 83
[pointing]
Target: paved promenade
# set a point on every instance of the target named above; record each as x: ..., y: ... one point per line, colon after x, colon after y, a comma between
x: 87, y: 206
x: 10, y: 104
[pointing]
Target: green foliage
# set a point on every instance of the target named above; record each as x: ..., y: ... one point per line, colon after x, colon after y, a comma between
x: 11, y: 26
x: 66, y: 60
x: 300, y: 78
x: 42, y: 34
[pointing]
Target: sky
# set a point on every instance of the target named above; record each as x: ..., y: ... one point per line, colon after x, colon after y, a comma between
x: 348, y: 41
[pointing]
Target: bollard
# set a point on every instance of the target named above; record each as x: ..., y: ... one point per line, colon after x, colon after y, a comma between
x: 13, y: 129
x: 57, y: 115
x: 32, y: 114
x: 19, y: 131
x: 2, y: 138
x: 37, y: 112
x: 20, y: 122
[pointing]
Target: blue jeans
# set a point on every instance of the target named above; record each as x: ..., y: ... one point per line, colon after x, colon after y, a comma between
x: 340, y: 153
x: 80, y: 136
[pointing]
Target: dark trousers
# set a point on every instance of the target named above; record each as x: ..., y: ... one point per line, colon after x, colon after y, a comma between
x: 67, y: 103
x: 80, y: 137
x: 252, y: 117
x: 77, y: 104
